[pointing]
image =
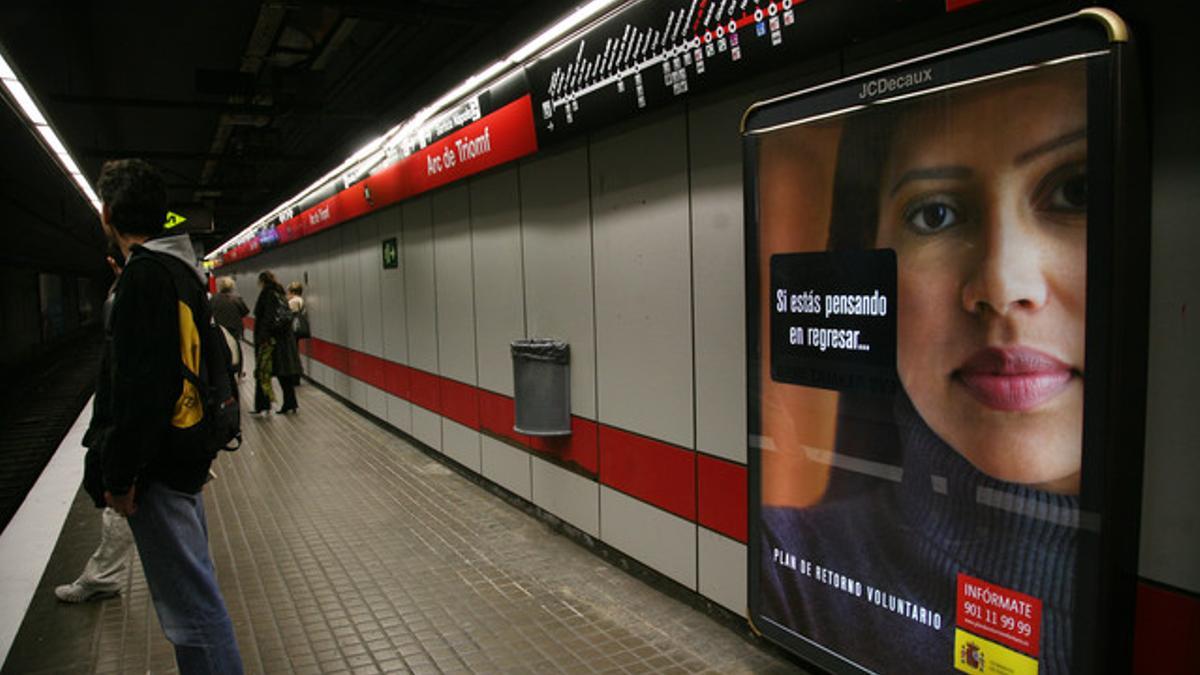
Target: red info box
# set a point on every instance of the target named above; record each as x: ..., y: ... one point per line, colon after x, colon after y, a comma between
x: 997, y: 613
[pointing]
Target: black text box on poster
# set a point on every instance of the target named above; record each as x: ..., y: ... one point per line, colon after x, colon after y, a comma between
x: 833, y: 320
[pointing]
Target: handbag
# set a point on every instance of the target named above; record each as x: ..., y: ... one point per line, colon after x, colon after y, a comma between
x: 300, y: 324
x: 280, y: 318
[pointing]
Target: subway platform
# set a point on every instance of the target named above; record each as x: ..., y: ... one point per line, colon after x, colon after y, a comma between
x: 343, y: 548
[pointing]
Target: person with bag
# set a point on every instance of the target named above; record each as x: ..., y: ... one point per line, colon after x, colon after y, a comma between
x: 295, y: 298
x: 276, y: 354
x: 228, y: 308
x: 103, y: 574
x: 163, y: 414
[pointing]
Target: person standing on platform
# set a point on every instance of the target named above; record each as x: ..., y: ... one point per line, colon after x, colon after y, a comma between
x: 103, y: 575
x: 295, y: 298
x: 151, y: 473
x: 274, y: 347
x: 228, y: 309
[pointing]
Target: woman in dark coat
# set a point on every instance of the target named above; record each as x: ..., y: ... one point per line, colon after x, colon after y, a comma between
x: 274, y: 346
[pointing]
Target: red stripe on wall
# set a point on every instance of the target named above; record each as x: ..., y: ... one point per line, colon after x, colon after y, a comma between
x: 497, y: 414
x: 656, y: 472
x: 580, y: 449
x: 395, y: 379
x: 341, y: 358
x: 358, y: 365
x: 423, y: 389
x: 500, y: 137
x: 722, y: 496
x: 1166, y: 633
x: 377, y: 372
x: 460, y: 402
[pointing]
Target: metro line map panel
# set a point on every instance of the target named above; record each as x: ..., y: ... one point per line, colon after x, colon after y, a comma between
x: 657, y: 50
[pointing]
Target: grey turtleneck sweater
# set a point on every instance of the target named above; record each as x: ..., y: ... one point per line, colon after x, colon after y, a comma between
x: 909, y: 540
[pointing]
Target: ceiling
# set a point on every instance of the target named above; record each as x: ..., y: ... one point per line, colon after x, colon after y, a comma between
x: 239, y: 104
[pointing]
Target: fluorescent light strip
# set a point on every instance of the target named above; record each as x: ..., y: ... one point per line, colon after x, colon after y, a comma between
x: 412, y: 125
x: 6, y: 71
x: 34, y: 117
x: 25, y: 101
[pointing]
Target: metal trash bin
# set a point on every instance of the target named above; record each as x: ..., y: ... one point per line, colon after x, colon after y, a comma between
x: 542, y: 387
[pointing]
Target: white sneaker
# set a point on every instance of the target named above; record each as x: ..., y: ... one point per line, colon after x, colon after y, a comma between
x: 76, y: 592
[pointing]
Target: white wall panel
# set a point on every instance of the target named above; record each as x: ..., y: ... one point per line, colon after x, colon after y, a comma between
x: 377, y: 402
x: 643, y: 280
x: 340, y: 335
x: 353, y: 307
x: 352, y: 290
x: 320, y: 373
x: 399, y: 413
x: 654, y: 537
x: 419, y: 285
x: 370, y: 263
x: 718, y: 277
x: 391, y: 291
x: 507, y: 467
x: 557, y: 241
x: 461, y: 444
x: 499, y: 281
x: 567, y: 495
x: 455, y: 289
x: 427, y: 427
x: 722, y: 570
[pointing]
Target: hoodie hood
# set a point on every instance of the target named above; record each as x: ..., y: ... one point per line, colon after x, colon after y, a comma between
x: 178, y: 246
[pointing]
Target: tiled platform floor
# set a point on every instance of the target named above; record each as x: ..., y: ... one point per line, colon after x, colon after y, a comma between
x: 341, y: 548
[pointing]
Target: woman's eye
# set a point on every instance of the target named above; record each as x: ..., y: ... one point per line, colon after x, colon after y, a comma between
x: 1070, y: 194
x: 930, y: 217
x: 1064, y: 191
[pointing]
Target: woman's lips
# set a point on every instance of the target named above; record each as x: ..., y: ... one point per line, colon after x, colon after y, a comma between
x: 1013, y: 379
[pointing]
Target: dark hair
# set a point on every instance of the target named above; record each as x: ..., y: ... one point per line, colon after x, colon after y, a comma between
x: 267, y: 279
x: 135, y: 195
x: 864, y: 145
x: 866, y: 423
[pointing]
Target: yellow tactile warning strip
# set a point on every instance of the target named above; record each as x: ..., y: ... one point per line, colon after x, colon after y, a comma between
x: 341, y: 548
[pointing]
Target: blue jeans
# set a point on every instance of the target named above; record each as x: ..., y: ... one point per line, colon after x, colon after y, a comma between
x: 172, y: 538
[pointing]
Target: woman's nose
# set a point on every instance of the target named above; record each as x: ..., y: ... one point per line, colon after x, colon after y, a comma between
x: 1007, y: 274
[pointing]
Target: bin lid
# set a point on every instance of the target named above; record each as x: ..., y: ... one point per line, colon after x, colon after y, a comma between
x: 542, y: 349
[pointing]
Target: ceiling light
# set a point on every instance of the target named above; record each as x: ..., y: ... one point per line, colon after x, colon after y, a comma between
x: 51, y: 139
x: 25, y: 101
x: 68, y: 163
x: 566, y: 25
x: 572, y: 21
x: 34, y: 118
x: 6, y: 71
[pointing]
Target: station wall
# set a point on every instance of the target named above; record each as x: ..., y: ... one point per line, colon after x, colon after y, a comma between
x: 629, y: 247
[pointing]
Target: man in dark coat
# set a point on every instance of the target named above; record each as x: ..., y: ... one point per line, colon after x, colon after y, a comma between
x: 151, y: 474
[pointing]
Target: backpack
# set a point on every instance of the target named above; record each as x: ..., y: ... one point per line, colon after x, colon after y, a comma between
x: 212, y: 378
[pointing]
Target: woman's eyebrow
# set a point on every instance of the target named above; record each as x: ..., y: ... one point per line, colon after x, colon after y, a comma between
x: 932, y: 173
x: 1052, y: 144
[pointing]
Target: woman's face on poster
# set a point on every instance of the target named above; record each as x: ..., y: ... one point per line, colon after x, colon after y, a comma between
x: 984, y: 199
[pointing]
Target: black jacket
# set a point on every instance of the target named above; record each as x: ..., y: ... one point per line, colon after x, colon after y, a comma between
x: 285, y: 357
x: 228, y: 310
x: 146, y: 372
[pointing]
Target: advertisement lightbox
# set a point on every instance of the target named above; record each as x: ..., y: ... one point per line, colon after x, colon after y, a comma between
x: 942, y: 271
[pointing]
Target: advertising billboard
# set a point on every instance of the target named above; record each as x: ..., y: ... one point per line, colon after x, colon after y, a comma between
x: 931, y: 288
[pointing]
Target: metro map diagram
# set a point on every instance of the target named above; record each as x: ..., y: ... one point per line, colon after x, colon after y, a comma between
x: 682, y: 44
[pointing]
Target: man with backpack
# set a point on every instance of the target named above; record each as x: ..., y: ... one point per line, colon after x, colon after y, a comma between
x: 164, y: 415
